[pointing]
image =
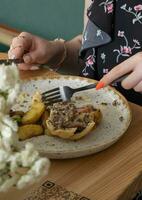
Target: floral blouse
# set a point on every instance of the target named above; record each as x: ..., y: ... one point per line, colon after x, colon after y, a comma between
x: 113, y: 34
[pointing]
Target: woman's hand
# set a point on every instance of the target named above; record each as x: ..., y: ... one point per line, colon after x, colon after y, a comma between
x: 133, y: 66
x: 34, y: 50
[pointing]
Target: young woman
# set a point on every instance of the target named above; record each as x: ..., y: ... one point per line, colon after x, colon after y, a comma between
x: 111, y: 47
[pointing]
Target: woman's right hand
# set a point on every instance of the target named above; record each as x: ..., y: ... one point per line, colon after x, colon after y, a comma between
x: 34, y: 50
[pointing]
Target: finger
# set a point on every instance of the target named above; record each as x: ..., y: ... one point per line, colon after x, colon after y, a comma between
x: 28, y: 67
x: 16, y: 52
x: 21, y: 41
x: 24, y: 67
x: 26, y: 38
x: 32, y: 57
x: 138, y: 87
x: 11, y: 56
x: 35, y: 67
x: 132, y: 80
x: 121, y: 69
x: 20, y: 45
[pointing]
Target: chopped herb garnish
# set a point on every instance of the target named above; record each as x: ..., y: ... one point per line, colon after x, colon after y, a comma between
x: 115, y: 103
x: 17, y: 118
x: 104, y: 103
x: 121, y: 118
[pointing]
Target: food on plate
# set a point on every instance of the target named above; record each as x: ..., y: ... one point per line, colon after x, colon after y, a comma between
x: 36, y: 110
x: 34, y: 113
x: 62, y: 119
x: 44, y: 118
x: 29, y: 130
x: 69, y: 122
x: 16, y: 115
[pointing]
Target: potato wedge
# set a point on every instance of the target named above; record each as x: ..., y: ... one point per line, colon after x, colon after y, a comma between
x: 63, y: 133
x: 34, y: 114
x: 28, y: 131
x: 37, y: 97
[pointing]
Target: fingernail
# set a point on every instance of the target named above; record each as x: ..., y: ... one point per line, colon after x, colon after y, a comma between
x: 27, y: 59
x: 12, y: 56
x: 100, y: 85
x: 34, y: 68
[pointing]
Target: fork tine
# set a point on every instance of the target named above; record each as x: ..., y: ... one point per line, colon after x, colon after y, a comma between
x: 52, y: 98
x: 44, y: 96
x: 49, y: 91
x: 52, y: 102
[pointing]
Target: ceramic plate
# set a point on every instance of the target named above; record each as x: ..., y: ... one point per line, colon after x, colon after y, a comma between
x: 114, y: 107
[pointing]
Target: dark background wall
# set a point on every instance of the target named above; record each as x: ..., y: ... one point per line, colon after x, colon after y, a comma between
x: 46, y: 18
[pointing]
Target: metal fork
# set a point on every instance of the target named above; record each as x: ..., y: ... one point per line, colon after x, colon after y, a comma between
x: 63, y: 93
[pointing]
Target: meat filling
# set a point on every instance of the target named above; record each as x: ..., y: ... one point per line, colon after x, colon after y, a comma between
x: 66, y: 115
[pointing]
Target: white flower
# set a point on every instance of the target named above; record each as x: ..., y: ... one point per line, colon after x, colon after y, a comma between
x: 9, y: 122
x: 8, y: 183
x: 3, y: 106
x: 14, y: 162
x: 40, y: 166
x: 12, y: 95
x: 103, y: 56
x: 4, y: 156
x: 17, y: 167
x: 29, y: 155
x: 7, y: 136
x: 9, y: 77
x: 38, y: 170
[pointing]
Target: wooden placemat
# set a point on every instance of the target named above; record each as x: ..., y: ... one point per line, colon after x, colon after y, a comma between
x: 50, y: 191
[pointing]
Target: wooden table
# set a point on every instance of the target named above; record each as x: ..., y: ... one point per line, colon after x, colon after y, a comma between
x: 109, y: 175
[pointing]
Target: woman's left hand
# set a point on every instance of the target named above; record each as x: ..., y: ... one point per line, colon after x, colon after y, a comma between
x: 133, y: 66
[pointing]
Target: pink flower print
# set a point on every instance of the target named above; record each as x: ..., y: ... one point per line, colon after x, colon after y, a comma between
x: 121, y: 33
x: 136, y: 11
x: 90, y: 60
x: 110, y: 8
x: 138, y: 7
x: 126, y: 50
x: 89, y: 63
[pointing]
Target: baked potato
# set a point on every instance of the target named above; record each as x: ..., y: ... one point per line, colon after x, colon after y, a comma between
x: 34, y: 114
x: 29, y: 130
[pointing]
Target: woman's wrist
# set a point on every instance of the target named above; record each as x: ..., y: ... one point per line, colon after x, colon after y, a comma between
x: 59, y: 53
x: 65, y: 54
x: 64, y: 50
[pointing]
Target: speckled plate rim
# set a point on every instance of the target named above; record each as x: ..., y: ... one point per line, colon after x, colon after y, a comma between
x: 88, y: 148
